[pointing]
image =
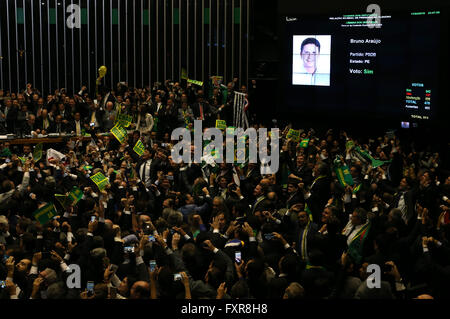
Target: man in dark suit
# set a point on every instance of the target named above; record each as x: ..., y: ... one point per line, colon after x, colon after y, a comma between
x: 10, y: 116
x: 201, y: 108
x: 404, y: 198
x: 30, y: 127
x: 319, y: 191
x: 158, y: 106
x: 76, y: 124
x: 43, y: 122
x: 168, y: 117
x: 301, y: 169
x: 147, y: 166
x: 95, y: 115
x: 59, y: 126
x: 65, y: 113
x: 293, y: 197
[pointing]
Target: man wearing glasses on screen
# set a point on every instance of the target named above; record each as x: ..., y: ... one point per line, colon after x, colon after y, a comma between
x: 309, y: 53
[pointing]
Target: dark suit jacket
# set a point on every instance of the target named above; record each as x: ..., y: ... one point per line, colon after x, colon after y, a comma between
x: 11, y: 119
x: 320, y: 194
x: 206, y: 109
x: 40, y: 123
x: 62, y: 128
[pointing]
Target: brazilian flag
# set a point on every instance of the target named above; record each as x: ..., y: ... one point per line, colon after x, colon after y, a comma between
x: 304, y: 143
x: 356, y: 245
x: 309, y: 212
x: 343, y: 173
x: 45, y: 213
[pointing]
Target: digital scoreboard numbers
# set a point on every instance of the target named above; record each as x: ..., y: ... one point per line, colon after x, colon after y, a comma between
x: 418, y: 101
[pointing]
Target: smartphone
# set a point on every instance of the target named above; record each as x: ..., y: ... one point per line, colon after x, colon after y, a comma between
x: 170, y: 177
x: 112, y: 293
x: 152, y: 265
x: 92, y: 219
x: 91, y: 124
x: 5, y: 258
x: 90, y: 288
x: 268, y: 236
x: 151, y: 238
x: 128, y: 249
x: 177, y: 277
x: 2, y: 284
x: 238, y: 257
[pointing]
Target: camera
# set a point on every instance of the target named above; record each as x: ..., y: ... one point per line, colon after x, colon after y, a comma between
x: 152, y: 265
x: 177, y: 277
x: 238, y: 257
x: 128, y: 249
x: 241, y: 220
x: 90, y: 288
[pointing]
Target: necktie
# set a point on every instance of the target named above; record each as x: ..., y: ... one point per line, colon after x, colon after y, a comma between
x: 78, y: 128
x: 201, y: 111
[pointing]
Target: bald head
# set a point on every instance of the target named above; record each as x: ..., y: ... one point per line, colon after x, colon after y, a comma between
x: 294, y: 291
x: 140, y: 290
x: 265, y: 182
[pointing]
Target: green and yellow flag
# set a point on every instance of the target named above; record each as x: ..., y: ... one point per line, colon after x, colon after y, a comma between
x: 75, y: 195
x: 71, y: 198
x: 356, y: 189
x: 45, y: 213
x: 356, y: 245
x: 309, y: 212
x: 230, y: 130
x: 62, y: 199
x: 100, y: 180
x: 119, y: 132
x: 374, y: 162
x: 343, y: 173
x: 139, y: 148
x: 199, y: 83
x: 294, y: 135
x: 184, y: 75
x: 124, y: 120
x: 37, y: 153
x: 304, y: 143
x: 349, y: 145
x: 221, y: 124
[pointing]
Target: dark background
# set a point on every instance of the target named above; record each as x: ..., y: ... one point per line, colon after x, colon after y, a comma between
x: 269, y: 61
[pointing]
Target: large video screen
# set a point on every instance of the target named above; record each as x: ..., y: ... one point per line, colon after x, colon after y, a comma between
x: 354, y: 63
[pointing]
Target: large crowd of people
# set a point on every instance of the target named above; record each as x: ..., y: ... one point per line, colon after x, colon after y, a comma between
x: 166, y: 230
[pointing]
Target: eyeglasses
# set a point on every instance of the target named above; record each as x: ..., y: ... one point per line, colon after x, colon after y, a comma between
x: 309, y: 53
